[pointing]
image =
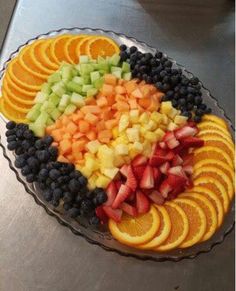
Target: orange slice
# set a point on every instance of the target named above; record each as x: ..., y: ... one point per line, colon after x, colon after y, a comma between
x: 215, y: 119
x: 213, y: 198
x: 179, y: 227
x: 14, y: 94
x: 136, y: 230
x: 101, y: 46
x: 209, y: 152
x: 211, y: 125
x: 215, y: 133
x: 163, y: 231
x: 23, y: 78
x: 10, y: 113
x: 216, y: 187
x: 218, y: 164
x: 22, y: 108
x: 209, y: 211
x: 70, y: 48
x: 218, y: 175
x: 12, y: 84
x: 28, y: 64
x: 81, y: 46
x: 219, y: 142
x: 197, y: 221
x: 57, y: 47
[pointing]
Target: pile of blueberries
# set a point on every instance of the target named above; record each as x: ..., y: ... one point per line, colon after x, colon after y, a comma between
x: 184, y: 93
x: 59, y: 182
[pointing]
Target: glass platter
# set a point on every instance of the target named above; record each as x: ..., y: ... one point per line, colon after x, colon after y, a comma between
x: 100, y: 236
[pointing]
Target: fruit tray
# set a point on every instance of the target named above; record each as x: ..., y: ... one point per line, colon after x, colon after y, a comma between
x: 100, y: 235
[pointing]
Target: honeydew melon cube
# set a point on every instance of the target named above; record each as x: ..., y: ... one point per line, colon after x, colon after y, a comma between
x: 55, y: 114
x: 132, y: 134
x: 180, y: 120
x: 144, y: 118
x: 44, y: 106
x: 172, y: 126
x: 34, y: 112
x: 102, y: 181
x: 166, y: 107
x: 103, y: 67
x: 123, y: 123
x: 122, y: 149
x: 115, y: 69
x: 125, y: 67
x: 77, y: 100
x: 46, y: 88
x: 93, y: 146
x: 83, y: 59
x: 49, y: 121
x: 94, y: 76
x: 73, y: 87
x: 117, y: 74
x: 86, y: 69
x: 98, y: 83
x: 59, y: 89
x: 101, y: 60
x: 37, y: 129
x: 114, y: 60
x: 66, y: 73
x: 54, y: 98
x: 156, y: 117
x: 85, y: 88
x: 127, y: 76
x: 78, y: 80
x: 54, y: 78
x: 65, y: 100
x: 74, y: 72
x: 40, y: 97
x: 50, y: 106
x: 70, y: 109
x: 110, y: 172
x: 95, y: 66
x: 87, y: 80
x: 91, y: 92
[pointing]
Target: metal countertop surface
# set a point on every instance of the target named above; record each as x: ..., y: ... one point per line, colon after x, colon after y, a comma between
x: 38, y: 254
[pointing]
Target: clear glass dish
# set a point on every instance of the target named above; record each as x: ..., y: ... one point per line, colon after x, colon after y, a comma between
x: 101, y: 236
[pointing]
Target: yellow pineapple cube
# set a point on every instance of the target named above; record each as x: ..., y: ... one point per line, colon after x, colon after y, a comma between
x: 172, y: 126
x: 93, y: 146
x: 165, y: 120
x: 166, y: 107
x: 115, y: 132
x: 132, y: 134
x: 110, y: 172
x: 160, y: 133
x: 122, y: 149
x: 106, y: 156
x: 144, y: 118
x: 138, y: 126
x: 157, y: 117
x: 92, y: 164
x: 87, y: 172
x: 151, y: 125
x: 127, y: 159
x: 123, y: 123
x: 102, y: 181
x: 147, y: 148
x: 143, y: 131
x: 151, y: 136
x: 118, y: 161
x: 137, y: 146
x: 134, y: 116
x: 173, y: 113
x: 180, y: 120
x: 92, y: 181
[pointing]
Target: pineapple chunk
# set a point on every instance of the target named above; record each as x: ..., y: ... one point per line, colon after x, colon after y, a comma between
x: 122, y: 138
x: 132, y: 134
x: 180, y: 120
x: 166, y: 107
x: 151, y: 125
x: 124, y: 122
x: 172, y: 126
x: 93, y: 146
x: 173, y: 113
x: 151, y: 136
x: 122, y: 149
x: 118, y: 161
x: 102, y: 181
x: 144, y: 118
x: 92, y: 181
x: 157, y: 117
x: 87, y: 172
x: 134, y: 115
x: 110, y: 172
x: 147, y: 148
x: 143, y: 131
x: 91, y: 164
x: 138, y: 146
x: 160, y: 133
x: 106, y: 156
x: 135, y: 149
x: 165, y: 120
x: 115, y: 132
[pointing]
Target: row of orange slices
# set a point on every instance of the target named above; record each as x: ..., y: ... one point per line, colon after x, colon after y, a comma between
x: 197, y: 213
x: 27, y: 72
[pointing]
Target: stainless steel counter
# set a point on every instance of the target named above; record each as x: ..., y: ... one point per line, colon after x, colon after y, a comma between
x: 36, y: 253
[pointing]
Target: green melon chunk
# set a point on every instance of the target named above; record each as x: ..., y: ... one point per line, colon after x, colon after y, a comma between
x: 127, y: 76
x: 55, y: 114
x: 77, y: 100
x: 54, y: 78
x: 46, y: 88
x: 125, y: 67
x: 73, y: 87
x: 70, y: 109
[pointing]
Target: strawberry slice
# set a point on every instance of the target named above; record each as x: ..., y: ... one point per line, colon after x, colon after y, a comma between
x: 142, y: 202
x: 131, y: 197
x: 156, y: 175
x: 168, y: 136
x: 131, y: 180
x: 174, y: 193
x: 192, y: 142
x: 156, y: 160
x: 192, y: 124
x: 139, y: 160
x: 188, y: 159
x: 114, y: 214
x: 178, y: 149
x: 118, y: 184
x: 124, y: 170
x: 165, y: 188
x: 178, y: 171
x: 147, y: 181
x: 111, y: 191
x: 185, y: 131
x: 175, y: 181
x: 162, y: 145
x: 129, y: 209
x: 101, y: 214
x: 161, y: 156
x: 121, y: 196
x: 156, y: 197
x: 177, y: 161
x: 170, y: 140
x: 138, y: 172
x: 188, y: 169
x: 164, y: 168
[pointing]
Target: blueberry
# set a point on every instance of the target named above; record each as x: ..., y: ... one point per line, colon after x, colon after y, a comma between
x: 19, y: 132
x: 68, y: 197
x: 190, y: 98
x: 25, y: 144
x: 53, y: 151
x: 74, y: 185
x: 101, y: 197
x: 170, y: 93
x: 48, y: 182
x: 199, y: 112
x: 183, y: 91
x: 158, y: 55
x: 194, y: 80
x: 159, y: 85
x: 28, y: 134
x: 31, y: 151
x: 181, y: 101
x: 89, y: 194
x: 55, y: 203
x: 54, y: 174
x: 94, y: 220
x: 189, y: 106
x: 197, y: 118
x: 174, y: 80
x: 83, y: 181
x: 43, y: 173
x: 20, y: 162
x: 191, y: 90
x: 57, y: 194
x: 185, y: 113
x: 168, y: 64
x: 39, y: 144
x: 43, y: 155
x: 154, y: 62
x: 73, y: 212
x: 166, y: 79
x: 165, y: 87
x: 123, y: 47
x: 133, y: 49
x: 12, y: 145
x: 174, y: 103
x: 42, y: 186
x: 75, y: 174
x: 67, y: 206
x: 202, y: 106
x: 95, y: 201
x: 208, y: 111
x: 47, y: 140
x: 10, y: 125
x: 197, y: 100
x: 10, y: 132
x: 184, y: 81
x: 30, y: 178
x: 25, y: 170
x: 11, y: 138
x: 53, y: 185
x: 47, y: 194
x: 86, y: 206
x: 149, y: 80
x: 165, y: 98
x: 163, y: 73
x: 156, y: 78
x: 33, y: 162
x: 19, y: 150
x: 123, y: 56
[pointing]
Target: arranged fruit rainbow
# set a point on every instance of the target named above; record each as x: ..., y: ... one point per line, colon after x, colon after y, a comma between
x: 119, y: 137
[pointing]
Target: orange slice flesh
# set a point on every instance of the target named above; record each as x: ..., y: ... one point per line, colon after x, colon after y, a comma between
x: 220, y: 143
x: 179, y: 227
x: 17, y: 95
x: 208, y: 209
x: 10, y: 113
x: 136, y: 230
x: 41, y: 60
x: 218, y: 175
x: 101, y: 46
x: 216, y: 187
x: 218, y: 164
x: 163, y: 231
x: 57, y: 48
x: 13, y: 85
x: 214, y: 199
x: 22, y: 108
x: 205, y: 125
x: 70, y: 48
x: 28, y: 64
x: 81, y: 46
x: 215, y: 133
x: 197, y: 221
x: 215, y: 119
x: 209, y: 152
x: 23, y: 79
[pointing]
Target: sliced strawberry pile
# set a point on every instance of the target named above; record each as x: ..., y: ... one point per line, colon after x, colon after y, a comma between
x: 161, y: 177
